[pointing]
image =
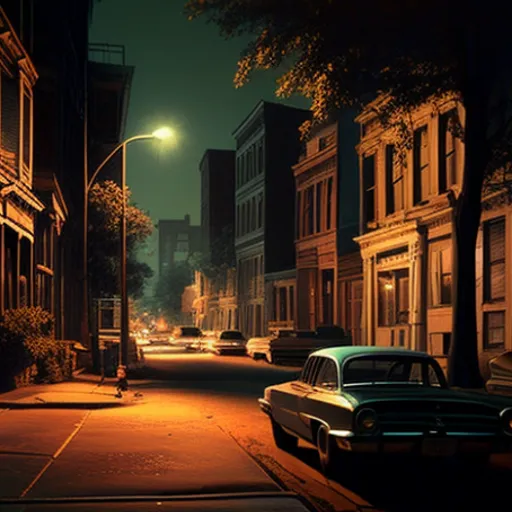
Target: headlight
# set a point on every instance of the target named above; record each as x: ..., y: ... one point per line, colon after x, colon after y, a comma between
x: 506, y: 418
x: 366, y: 420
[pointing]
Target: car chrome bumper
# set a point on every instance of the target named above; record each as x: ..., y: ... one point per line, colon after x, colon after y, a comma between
x: 421, y: 443
x: 265, y: 406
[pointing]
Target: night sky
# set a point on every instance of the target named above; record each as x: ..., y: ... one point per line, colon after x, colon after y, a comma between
x: 184, y: 79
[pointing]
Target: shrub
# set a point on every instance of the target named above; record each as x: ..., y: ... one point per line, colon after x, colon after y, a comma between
x: 28, y: 336
x: 14, y: 358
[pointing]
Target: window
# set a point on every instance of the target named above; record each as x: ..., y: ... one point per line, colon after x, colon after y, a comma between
x: 253, y: 214
x: 494, y: 259
x: 369, y: 188
x: 394, y: 182
x: 319, y: 207
x: 307, y: 224
x: 447, y: 152
x: 282, y: 304
x: 247, y: 217
x: 494, y: 334
x: 329, y: 203
x: 421, y: 165
x: 274, y: 304
x: 311, y: 369
x: 327, y: 376
x: 291, y: 292
x: 260, y: 211
x: 238, y: 220
x: 27, y: 132
x: 441, y: 274
x: 400, y: 370
x: 10, y: 114
x: 393, y: 298
x: 261, y: 157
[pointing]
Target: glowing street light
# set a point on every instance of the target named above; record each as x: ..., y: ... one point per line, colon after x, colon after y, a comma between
x: 161, y: 134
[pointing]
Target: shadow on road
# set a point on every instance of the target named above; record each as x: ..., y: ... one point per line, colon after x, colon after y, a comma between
x: 436, y: 485
x: 233, y: 376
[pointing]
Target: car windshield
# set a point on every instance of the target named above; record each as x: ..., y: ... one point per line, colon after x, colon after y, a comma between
x: 393, y: 370
x: 190, y: 331
x: 231, y: 335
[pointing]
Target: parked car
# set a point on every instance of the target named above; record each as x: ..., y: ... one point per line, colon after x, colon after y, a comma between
x: 229, y: 342
x: 500, y: 368
x: 188, y: 337
x: 352, y: 401
x: 259, y: 347
x: 295, y: 348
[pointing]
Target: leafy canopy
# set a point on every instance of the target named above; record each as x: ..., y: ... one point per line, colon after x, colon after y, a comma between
x: 105, y: 214
x: 342, y: 53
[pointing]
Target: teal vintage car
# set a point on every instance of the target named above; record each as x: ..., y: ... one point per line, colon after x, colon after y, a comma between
x: 355, y: 401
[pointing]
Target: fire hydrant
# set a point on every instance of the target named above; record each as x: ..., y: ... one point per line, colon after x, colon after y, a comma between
x: 122, y: 381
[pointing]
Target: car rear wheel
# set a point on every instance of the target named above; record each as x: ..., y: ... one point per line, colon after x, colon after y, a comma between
x: 328, y: 453
x: 283, y: 440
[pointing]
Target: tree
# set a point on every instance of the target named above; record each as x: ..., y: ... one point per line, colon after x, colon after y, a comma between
x: 170, y: 287
x: 341, y: 54
x: 105, y: 213
x: 220, y: 258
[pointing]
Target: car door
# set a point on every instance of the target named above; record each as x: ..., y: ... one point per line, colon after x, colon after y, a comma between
x: 322, y: 402
x: 286, y: 399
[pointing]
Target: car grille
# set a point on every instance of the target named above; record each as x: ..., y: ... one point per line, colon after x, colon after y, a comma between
x: 446, y: 416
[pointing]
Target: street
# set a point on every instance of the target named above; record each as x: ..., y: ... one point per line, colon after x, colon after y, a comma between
x: 199, y: 414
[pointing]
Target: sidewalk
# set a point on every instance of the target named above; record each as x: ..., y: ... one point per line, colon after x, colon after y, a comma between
x: 85, y: 392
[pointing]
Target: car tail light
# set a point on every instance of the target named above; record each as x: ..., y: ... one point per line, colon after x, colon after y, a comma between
x: 506, y: 418
x: 367, y: 421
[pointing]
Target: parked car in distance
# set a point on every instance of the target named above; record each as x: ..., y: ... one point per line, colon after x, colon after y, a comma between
x: 500, y: 368
x: 354, y: 401
x: 229, y: 342
x: 295, y: 348
x: 188, y: 337
x: 259, y: 347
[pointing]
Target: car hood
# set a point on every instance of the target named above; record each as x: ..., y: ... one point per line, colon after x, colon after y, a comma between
x: 361, y: 395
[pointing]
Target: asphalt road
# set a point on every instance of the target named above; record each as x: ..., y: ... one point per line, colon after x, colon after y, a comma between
x: 199, y: 416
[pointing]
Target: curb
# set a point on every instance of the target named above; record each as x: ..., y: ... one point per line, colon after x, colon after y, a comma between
x: 66, y: 405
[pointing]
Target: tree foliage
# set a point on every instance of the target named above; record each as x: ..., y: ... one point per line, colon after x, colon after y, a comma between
x: 170, y: 287
x: 345, y: 54
x: 105, y: 214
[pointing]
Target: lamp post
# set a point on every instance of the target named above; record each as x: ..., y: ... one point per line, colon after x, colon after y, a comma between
x: 162, y: 133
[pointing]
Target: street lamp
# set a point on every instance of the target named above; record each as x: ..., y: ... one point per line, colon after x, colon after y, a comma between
x: 161, y: 134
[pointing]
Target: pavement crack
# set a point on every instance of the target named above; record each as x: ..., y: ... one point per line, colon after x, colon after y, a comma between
x: 55, y: 455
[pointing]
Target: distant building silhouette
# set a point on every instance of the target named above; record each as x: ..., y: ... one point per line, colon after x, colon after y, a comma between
x: 177, y: 240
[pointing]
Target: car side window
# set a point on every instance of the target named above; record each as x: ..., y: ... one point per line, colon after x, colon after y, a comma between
x: 307, y: 370
x: 327, y: 377
x: 317, y: 364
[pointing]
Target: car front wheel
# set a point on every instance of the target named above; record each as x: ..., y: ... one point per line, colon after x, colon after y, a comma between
x: 283, y: 440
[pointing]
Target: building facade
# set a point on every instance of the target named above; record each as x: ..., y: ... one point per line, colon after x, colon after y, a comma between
x: 216, y: 302
x: 407, y: 215
x: 19, y: 204
x: 217, y: 170
x: 327, y: 214
x: 267, y: 145
x: 55, y: 35
x: 177, y: 240
x: 281, y: 293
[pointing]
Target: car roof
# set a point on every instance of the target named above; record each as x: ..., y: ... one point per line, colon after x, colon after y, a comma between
x: 341, y: 354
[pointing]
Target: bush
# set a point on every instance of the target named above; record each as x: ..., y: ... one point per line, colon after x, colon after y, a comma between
x: 31, y: 353
x: 14, y: 358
